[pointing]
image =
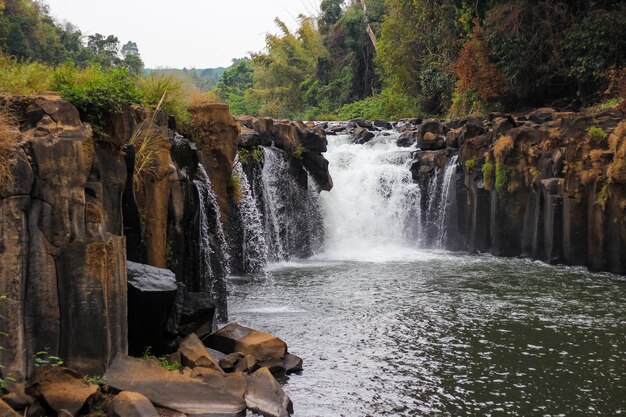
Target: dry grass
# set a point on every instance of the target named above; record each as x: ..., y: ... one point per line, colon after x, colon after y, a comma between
x: 502, y: 148
x: 9, y: 142
x: 617, y: 144
x: 199, y: 98
x: 146, y: 150
x: 24, y: 78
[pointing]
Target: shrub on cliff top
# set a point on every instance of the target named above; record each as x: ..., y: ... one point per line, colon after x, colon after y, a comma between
x: 96, y: 91
x: 501, y: 149
x: 23, y: 77
x: 176, y: 91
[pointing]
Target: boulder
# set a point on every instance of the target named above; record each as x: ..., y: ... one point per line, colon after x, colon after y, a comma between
x: 432, y: 126
x: 132, y: 404
x: 18, y: 401
x: 178, y: 392
x: 431, y: 142
x: 317, y: 166
x: 37, y: 410
x: 61, y: 389
x: 268, y: 350
x: 198, y: 311
x: 361, y: 136
x: 286, y: 136
x: 315, y: 141
x: 408, y: 138
x: 383, y: 124
x: 151, y: 295
x: 265, y: 395
x: 6, y: 410
x: 193, y: 353
x: 229, y: 362
x: 233, y: 382
x: 292, y: 363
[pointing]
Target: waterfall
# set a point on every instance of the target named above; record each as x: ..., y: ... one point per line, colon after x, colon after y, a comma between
x: 213, y: 249
x: 443, y: 202
x: 253, y: 256
x: 291, y: 209
x: 374, y: 208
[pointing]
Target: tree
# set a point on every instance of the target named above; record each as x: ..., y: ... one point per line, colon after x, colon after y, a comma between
x: 131, y: 58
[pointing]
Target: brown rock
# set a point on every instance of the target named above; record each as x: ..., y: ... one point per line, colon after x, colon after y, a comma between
x: 217, y: 135
x: 247, y: 364
x: 194, y: 353
x: 234, y: 382
x: 229, y: 362
x: 268, y: 350
x: 6, y: 411
x: 175, y: 391
x: 132, y: 404
x: 61, y: 388
x: 292, y: 363
x: 265, y: 395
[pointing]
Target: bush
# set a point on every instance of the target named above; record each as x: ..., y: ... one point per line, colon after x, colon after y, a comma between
x: 24, y: 77
x: 597, y: 134
x: 387, y: 106
x: 502, y: 177
x: 488, y: 171
x: 234, y: 188
x: 175, y: 91
x: 96, y: 92
x: 162, y: 360
x: 470, y: 165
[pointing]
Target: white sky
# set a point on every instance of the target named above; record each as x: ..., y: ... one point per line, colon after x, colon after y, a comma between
x: 184, y: 33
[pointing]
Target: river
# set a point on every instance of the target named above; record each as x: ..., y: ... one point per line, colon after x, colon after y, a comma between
x: 388, y: 329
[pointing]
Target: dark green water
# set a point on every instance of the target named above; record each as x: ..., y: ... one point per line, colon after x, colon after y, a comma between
x: 444, y: 334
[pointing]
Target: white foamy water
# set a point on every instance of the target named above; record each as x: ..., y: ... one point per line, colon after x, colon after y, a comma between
x: 373, y: 211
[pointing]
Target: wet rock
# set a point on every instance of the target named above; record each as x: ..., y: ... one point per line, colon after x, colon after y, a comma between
x: 361, y: 135
x: 431, y: 142
x: 268, y: 350
x: 151, y: 295
x: 286, y: 136
x: 61, y: 389
x: 432, y: 126
x: 317, y: 167
x: 132, y: 404
x: 315, y: 141
x: 229, y: 362
x: 292, y: 363
x: 6, y: 410
x: 383, y: 124
x: 408, y: 138
x: 265, y: 395
x: 177, y: 392
x: 194, y: 353
x: 197, y: 315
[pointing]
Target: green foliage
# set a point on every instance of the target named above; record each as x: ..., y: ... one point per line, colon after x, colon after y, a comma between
x: 502, y: 177
x: 233, y: 87
x: 43, y: 358
x: 297, y: 153
x: 174, y: 91
x: 96, y: 91
x: 488, y: 175
x: 470, y: 165
x: 23, y: 77
x: 608, y: 104
x: 596, y: 44
x: 162, y: 360
x: 204, y: 79
x: 234, y: 188
x: 28, y: 32
x: 96, y: 380
x: 597, y: 134
x: 247, y: 155
x: 385, y: 105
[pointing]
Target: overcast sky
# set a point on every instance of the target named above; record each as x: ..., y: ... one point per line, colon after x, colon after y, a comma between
x: 184, y: 33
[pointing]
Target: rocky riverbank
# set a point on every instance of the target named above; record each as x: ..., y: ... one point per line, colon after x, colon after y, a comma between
x: 114, y: 243
x: 546, y: 185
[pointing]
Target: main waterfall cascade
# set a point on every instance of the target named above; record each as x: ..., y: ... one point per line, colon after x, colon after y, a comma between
x: 376, y: 209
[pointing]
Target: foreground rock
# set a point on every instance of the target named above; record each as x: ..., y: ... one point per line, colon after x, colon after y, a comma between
x: 61, y: 389
x: 268, y: 350
x: 6, y: 411
x: 174, y: 391
x: 193, y: 353
x: 151, y: 294
x: 132, y: 404
x: 265, y: 395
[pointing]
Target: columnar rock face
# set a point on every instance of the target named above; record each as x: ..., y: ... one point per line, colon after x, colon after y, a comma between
x: 62, y: 255
x: 549, y: 185
x: 217, y: 136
